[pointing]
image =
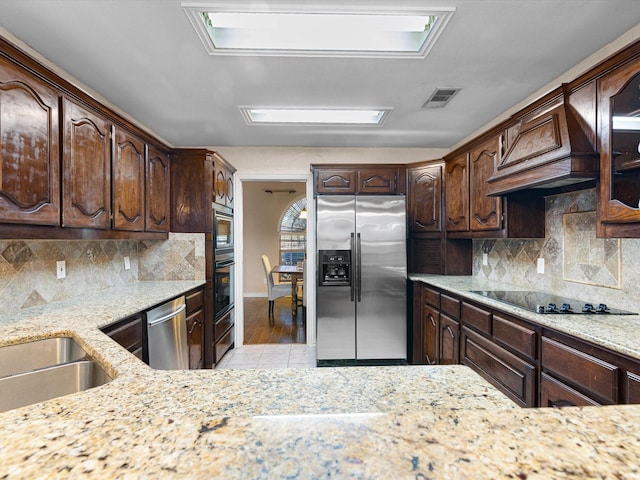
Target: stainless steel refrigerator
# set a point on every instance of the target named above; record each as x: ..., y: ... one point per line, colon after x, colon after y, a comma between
x: 362, y: 270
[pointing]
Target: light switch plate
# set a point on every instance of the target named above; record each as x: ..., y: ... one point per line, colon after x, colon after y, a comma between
x: 61, y: 269
x: 485, y: 259
x: 127, y: 263
x: 541, y: 265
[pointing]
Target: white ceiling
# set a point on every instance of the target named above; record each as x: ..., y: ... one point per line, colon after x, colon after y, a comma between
x: 145, y: 57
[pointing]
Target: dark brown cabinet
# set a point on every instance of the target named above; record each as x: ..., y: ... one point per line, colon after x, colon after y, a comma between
x: 223, y: 184
x: 485, y: 211
x: 195, y: 327
x: 129, y: 168
x: 361, y: 179
x: 158, y: 200
x: 618, y: 106
x: 449, y: 341
x: 29, y: 148
x: 593, y: 377
x: 86, y: 163
x: 457, y: 194
x: 471, y: 213
x: 515, y: 377
x: 425, y: 198
x: 128, y: 333
x: 193, y: 192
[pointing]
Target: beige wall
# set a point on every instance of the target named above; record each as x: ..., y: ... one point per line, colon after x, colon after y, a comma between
x: 262, y: 213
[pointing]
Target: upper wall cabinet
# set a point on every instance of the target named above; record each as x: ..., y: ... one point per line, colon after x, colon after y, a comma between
x: 223, y: 183
x: 546, y: 147
x: 361, y: 179
x: 619, y: 126
x: 425, y: 198
x: 457, y: 193
x: 471, y: 213
x: 158, y: 192
x: 86, y: 163
x: 485, y: 211
x: 29, y: 148
x: 128, y: 182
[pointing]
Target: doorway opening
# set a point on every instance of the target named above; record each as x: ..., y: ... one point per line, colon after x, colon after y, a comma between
x: 270, y: 220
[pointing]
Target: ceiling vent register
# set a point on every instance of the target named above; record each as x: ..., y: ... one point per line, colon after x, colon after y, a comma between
x: 440, y: 97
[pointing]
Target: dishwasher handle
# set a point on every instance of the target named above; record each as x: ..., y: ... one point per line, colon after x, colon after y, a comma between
x: 151, y: 323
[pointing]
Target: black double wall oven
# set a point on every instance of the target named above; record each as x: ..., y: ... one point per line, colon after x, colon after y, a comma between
x: 223, y: 280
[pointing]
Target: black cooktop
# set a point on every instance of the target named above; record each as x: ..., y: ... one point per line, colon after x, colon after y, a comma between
x: 546, y: 303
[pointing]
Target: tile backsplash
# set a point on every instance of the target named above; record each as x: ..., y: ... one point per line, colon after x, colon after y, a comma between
x: 576, y: 263
x: 28, y: 267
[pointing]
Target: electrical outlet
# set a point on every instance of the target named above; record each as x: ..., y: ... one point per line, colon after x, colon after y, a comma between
x: 541, y: 265
x: 61, y: 269
x: 127, y: 263
x: 485, y: 259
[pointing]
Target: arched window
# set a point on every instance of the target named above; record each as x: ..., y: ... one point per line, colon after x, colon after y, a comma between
x: 293, y: 234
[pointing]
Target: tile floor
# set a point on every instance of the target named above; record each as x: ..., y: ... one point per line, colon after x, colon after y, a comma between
x: 269, y: 356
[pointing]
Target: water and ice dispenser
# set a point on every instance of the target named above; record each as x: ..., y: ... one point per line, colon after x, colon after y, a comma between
x: 335, y: 267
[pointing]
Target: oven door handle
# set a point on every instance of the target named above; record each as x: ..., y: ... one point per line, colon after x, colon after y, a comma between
x: 225, y: 263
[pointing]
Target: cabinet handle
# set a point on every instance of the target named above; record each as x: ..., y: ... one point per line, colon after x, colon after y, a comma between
x: 448, y: 328
x: 429, y: 362
x: 433, y: 320
x: 561, y: 403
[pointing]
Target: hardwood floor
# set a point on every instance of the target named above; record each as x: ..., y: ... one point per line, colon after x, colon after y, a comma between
x: 286, y: 328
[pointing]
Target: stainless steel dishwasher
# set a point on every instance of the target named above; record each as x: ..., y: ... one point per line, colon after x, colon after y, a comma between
x: 167, y: 336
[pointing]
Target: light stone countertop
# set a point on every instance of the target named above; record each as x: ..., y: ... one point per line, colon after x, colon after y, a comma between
x: 363, y: 422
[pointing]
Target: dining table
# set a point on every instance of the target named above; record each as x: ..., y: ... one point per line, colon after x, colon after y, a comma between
x: 296, y: 272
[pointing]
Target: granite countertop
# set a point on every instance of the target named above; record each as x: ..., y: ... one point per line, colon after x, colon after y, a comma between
x: 363, y: 422
x: 620, y: 333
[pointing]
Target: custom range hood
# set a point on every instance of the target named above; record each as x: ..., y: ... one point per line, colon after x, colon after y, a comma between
x: 546, y: 148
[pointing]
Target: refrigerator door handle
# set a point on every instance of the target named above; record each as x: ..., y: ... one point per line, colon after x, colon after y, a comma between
x: 351, y: 279
x: 359, y: 262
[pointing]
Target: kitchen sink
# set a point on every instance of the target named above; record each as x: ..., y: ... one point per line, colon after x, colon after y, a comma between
x: 36, y: 371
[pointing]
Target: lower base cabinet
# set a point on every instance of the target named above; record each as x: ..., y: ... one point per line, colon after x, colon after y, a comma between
x: 195, y: 328
x: 449, y: 340
x: 127, y: 333
x: 512, y: 375
x: 223, y: 334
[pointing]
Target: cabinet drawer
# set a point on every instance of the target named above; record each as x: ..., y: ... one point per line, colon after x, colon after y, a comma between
x: 194, y: 300
x: 632, y: 388
x: 223, y: 345
x: 222, y: 325
x: 476, y: 317
x: 512, y: 375
x: 554, y: 393
x: 518, y: 337
x: 585, y: 371
x: 450, y: 306
x: 431, y: 297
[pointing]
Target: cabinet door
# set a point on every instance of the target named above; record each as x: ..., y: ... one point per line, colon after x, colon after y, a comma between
x: 128, y: 182
x: 335, y: 181
x: 425, y: 199
x: 220, y: 185
x: 158, y: 200
x: 29, y: 149
x: 457, y: 194
x: 632, y: 388
x: 86, y: 168
x: 430, y: 330
x: 618, y: 104
x: 229, y: 190
x: 449, y: 341
x: 485, y: 211
x: 377, y: 180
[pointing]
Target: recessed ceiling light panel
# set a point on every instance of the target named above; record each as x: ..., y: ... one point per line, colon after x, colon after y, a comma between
x: 230, y: 29
x: 313, y: 116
